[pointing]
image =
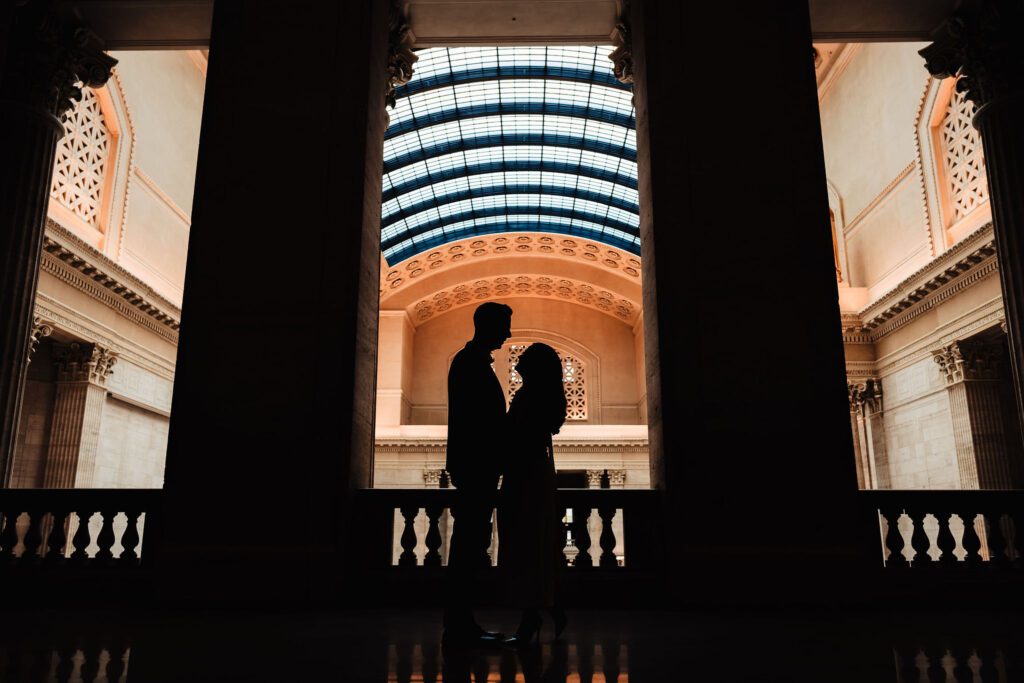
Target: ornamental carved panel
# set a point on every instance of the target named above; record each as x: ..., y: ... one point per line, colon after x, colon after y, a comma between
x: 963, y: 161
x: 574, y: 381
x: 81, y: 161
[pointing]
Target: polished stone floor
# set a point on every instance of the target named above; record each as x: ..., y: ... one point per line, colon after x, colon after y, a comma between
x: 599, y: 646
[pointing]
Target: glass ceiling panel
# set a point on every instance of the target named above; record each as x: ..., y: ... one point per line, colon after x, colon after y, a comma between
x: 495, y: 139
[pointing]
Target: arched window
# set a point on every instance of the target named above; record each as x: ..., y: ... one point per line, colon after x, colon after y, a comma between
x: 574, y: 380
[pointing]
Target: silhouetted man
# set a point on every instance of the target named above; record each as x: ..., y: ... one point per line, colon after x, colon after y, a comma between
x: 476, y: 422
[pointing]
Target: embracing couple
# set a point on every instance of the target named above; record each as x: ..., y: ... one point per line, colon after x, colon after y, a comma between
x: 485, y: 443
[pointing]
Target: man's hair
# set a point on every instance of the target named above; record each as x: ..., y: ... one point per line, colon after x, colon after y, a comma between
x: 490, y: 313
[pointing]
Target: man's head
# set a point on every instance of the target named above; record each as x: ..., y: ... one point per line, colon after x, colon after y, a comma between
x: 493, y: 324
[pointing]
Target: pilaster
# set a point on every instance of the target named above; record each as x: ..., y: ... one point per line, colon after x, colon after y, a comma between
x: 972, y: 371
x: 869, y: 434
x: 82, y: 372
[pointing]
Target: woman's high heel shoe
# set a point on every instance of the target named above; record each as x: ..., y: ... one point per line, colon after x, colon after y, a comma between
x: 528, y: 631
x: 561, y: 620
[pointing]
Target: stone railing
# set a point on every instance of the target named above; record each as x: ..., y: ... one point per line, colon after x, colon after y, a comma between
x: 959, y: 531
x: 591, y: 519
x: 42, y: 530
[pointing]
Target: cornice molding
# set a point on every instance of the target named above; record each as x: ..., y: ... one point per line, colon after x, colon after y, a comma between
x: 71, y: 260
x: 839, y: 64
x: 963, y: 265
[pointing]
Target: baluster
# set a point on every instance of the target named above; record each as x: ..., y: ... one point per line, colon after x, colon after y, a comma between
x: 919, y: 540
x: 105, y: 538
x: 130, y: 538
x: 566, y: 534
x: 33, y: 537
x: 433, y: 540
x: 80, y: 541
x: 995, y: 538
x: 971, y: 542
x: 945, y: 541
x: 581, y: 535
x: 116, y: 664
x: 987, y: 665
x: 894, y: 539
x: 607, y: 540
x: 58, y: 537
x: 962, y: 665
x: 936, y: 671
x: 408, y: 541
x: 9, y: 535
x: 91, y: 663
x: 610, y: 660
x: 907, y: 665
x: 66, y: 664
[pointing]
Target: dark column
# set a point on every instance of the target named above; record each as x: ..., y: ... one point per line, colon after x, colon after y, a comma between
x: 44, y: 57
x: 271, y: 422
x: 981, y: 43
x: 748, y: 404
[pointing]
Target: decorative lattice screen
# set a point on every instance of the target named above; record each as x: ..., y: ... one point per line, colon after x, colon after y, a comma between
x: 81, y: 162
x: 963, y: 158
x: 574, y: 381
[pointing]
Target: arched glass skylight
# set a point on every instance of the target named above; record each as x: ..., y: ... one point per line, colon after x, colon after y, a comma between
x: 510, y: 139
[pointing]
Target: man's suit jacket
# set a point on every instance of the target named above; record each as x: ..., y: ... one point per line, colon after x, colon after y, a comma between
x: 476, y: 419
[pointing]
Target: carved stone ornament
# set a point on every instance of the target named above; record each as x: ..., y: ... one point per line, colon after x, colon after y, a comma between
x: 979, y: 43
x: 400, y: 54
x: 83, y: 362
x: 865, y: 397
x: 40, y: 329
x: 432, y: 478
x: 615, y: 478
x: 961, y: 361
x: 622, y: 39
x: 52, y: 60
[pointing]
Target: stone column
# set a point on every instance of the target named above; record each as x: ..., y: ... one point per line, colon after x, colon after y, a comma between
x: 972, y: 371
x: 44, y: 62
x: 869, y: 434
x: 82, y: 372
x: 980, y: 43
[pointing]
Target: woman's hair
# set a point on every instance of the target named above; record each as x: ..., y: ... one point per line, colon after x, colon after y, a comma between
x: 541, y: 369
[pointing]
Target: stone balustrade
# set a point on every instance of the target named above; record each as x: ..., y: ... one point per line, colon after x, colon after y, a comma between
x: 42, y: 530
x: 958, y: 531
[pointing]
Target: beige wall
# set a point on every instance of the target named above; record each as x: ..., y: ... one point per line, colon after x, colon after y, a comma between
x: 164, y: 90
x: 609, y: 340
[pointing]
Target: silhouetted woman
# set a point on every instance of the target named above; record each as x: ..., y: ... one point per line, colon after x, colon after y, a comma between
x: 530, y: 535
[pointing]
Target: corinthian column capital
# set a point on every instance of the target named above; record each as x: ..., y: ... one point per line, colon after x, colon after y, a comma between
x: 980, y: 43
x: 972, y: 360
x: 622, y: 39
x: 51, y: 60
x: 40, y: 329
x: 84, y: 363
x: 400, y: 54
x: 865, y: 397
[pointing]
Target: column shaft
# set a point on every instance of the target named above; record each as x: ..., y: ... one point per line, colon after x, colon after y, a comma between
x: 28, y: 139
x: 74, y: 436
x: 1003, y: 140
x: 45, y: 61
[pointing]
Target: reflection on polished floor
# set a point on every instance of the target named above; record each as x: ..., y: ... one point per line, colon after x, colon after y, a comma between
x: 600, y: 647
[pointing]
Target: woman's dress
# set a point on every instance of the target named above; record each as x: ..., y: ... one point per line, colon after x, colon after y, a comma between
x: 530, y: 532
